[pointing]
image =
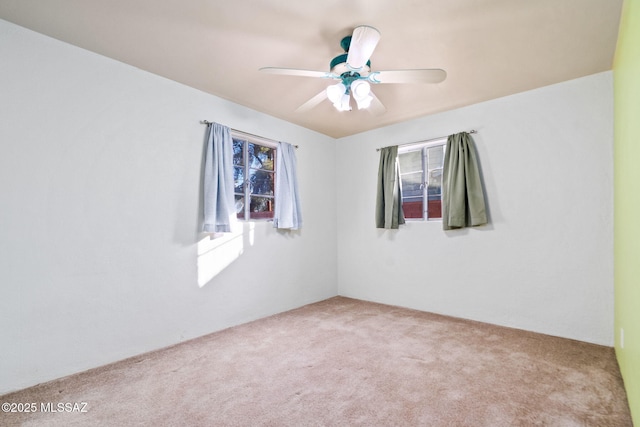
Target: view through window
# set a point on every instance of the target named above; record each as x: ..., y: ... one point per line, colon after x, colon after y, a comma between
x: 254, y: 175
x: 421, y: 177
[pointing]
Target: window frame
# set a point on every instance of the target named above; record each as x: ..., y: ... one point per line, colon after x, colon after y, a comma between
x: 423, y: 147
x: 247, y: 139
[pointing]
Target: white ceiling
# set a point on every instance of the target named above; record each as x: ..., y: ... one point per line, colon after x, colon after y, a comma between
x: 489, y: 48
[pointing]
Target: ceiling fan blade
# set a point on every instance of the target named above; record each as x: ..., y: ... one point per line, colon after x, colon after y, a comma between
x: 376, y: 108
x: 363, y: 42
x: 296, y: 72
x: 313, y: 102
x: 434, y: 75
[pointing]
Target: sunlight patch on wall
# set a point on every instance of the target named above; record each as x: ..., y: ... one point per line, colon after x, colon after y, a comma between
x: 252, y: 233
x: 217, y: 252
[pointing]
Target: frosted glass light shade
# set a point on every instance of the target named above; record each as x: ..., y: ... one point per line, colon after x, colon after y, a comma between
x: 344, y: 103
x: 335, y: 92
x: 361, y: 91
x: 364, y: 102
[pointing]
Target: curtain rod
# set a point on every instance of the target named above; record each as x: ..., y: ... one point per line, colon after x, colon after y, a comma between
x: 423, y: 141
x: 207, y: 122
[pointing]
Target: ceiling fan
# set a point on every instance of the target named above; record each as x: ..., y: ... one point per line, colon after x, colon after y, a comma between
x: 353, y: 70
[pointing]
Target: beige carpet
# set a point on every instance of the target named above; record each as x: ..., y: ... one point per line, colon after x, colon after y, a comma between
x: 344, y: 362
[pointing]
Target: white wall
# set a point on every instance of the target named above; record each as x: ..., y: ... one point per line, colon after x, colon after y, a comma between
x: 100, y: 167
x: 545, y: 262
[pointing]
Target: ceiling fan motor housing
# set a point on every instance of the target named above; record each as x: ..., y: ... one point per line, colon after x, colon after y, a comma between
x: 340, y: 67
x: 345, y: 43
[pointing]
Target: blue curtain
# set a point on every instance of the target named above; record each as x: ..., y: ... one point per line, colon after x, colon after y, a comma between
x: 287, y: 212
x: 389, y: 212
x: 462, y: 195
x: 219, y: 202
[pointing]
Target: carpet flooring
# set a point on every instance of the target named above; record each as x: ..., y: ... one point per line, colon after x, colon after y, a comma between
x: 344, y: 362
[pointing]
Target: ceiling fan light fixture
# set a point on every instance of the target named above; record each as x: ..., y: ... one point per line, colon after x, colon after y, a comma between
x: 364, y: 102
x: 361, y: 91
x: 344, y: 104
x: 335, y: 92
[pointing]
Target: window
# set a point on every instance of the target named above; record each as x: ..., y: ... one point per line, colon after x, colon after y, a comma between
x: 254, y: 161
x: 421, y: 178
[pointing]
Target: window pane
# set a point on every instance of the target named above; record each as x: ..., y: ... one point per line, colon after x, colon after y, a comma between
x: 239, y: 206
x: 237, y: 152
x: 410, y: 161
x: 238, y: 178
x: 261, y: 157
x: 434, y: 194
x: 435, y: 157
x: 435, y: 208
x: 435, y: 178
x: 412, y: 179
x: 261, y: 207
x: 411, y: 184
x: 261, y: 182
x: 412, y: 207
x: 254, y: 179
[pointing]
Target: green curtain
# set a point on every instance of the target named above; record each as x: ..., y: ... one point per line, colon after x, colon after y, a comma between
x: 462, y: 195
x: 389, y: 197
